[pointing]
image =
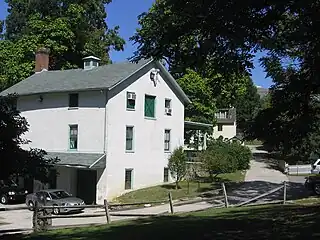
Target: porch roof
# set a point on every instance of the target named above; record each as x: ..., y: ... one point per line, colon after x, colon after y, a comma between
x: 197, y: 125
x: 79, y: 160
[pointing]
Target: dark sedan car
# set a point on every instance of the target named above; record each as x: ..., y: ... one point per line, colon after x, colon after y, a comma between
x: 55, y: 197
x: 312, y: 183
x: 10, y: 192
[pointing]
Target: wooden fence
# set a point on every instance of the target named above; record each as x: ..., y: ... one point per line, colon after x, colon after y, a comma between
x: 42, y: 215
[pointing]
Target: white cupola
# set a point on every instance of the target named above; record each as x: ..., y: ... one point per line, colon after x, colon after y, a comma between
x: 90, y: 62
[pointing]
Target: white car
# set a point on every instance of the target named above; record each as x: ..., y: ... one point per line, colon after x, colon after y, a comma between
x: 315, y: 167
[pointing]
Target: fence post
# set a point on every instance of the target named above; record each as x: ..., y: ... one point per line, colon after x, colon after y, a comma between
x: 106, y: 208
x: 188, y: 186
x: 170, y: 203
x: 35, y: 217
x: 284, y: 192
x: 226, y: 203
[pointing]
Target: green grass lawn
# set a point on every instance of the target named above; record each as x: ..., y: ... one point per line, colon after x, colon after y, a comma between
x: 246, y: 223
x: 160, y: 193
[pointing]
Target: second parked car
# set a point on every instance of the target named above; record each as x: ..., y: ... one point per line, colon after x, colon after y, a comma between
x: 55, y: 197
x: 10, y: 192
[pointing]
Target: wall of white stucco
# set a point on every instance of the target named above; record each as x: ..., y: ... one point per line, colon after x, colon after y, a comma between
x: 49, y: 121
x: 228, y: 131
x: 148, y: 159
x: 101, y: 185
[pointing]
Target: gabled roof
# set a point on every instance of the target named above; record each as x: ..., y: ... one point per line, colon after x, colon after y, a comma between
x: 75, y: 79
x: 103, y: 77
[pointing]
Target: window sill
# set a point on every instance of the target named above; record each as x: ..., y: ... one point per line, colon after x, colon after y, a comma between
x: 130, y: 109
x: 73, y: 108
x: 73, y: 150
x: 129, y: 151
x: 150, y: 118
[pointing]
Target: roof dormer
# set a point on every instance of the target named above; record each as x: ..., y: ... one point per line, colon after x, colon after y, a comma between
x: 90, y: 62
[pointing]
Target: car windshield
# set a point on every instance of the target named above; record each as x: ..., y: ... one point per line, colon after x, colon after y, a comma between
x: 59, y: 194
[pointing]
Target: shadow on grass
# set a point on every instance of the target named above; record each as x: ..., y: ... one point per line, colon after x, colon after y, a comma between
x: 169, y: 186
x: 277, y: 222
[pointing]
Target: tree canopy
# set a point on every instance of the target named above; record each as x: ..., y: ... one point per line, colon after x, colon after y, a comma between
x: 225, y: 35
x: 14, y: 160
x: 70, y: 29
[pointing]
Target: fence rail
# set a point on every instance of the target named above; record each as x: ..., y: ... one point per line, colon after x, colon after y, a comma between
x: 42, y: 218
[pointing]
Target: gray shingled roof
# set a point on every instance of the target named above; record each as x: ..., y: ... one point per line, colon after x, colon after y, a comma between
x: 79, y: 159
x: 75, y: 79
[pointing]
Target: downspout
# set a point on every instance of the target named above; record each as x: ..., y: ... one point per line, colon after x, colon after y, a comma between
x: 105, y: 123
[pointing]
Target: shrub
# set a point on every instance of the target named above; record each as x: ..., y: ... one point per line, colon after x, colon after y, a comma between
x: 225, y: 157
x: 216, y: 161
x: 242, y: 154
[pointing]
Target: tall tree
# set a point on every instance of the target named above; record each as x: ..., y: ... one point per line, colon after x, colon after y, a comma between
x: 198, y: 89
x: 247, y: 105
x: 70, y: 29
x: 14, y: 160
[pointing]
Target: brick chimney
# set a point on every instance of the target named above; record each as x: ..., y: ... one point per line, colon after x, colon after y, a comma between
x: 42, y: 60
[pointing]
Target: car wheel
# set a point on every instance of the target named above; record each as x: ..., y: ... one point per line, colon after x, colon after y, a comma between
x: 30, y: 205
x: 4, y: 199
x: 317, y: 189
x: 56, y: 211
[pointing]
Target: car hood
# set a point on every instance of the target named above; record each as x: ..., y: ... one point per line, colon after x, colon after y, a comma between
x: 69, y: 200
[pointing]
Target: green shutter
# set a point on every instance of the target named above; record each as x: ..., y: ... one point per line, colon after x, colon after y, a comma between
x: 149, y: 106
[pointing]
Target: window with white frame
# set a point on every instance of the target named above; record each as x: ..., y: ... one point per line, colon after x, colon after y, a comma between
x: 167, y: 133
x: 167, y: 106
x: 129, y: 138
x: 128, y: 179
x: 131, y: 100
x: 73, y: 137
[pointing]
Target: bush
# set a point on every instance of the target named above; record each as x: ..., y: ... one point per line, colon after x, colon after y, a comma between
x: 217, y: 161
x: 225, y: 157
x: 242, y: 154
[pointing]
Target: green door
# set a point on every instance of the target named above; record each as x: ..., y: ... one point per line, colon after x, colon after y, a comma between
x: 86, y: 185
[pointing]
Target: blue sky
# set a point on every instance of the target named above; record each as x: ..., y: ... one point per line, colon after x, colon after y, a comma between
x: 124, y: 13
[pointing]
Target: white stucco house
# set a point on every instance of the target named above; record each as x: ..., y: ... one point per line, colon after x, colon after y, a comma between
x: 113, y: 127
x: 226, y: 123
